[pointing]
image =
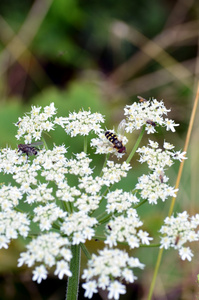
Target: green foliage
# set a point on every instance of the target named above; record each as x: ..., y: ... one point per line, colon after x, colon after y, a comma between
x: 9, y: 113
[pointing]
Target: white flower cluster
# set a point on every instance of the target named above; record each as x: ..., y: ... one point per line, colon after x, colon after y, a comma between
x: 79, y: 226
x: 91, y: 185
x: 66, y: 193
x: 153, y: 188
x: 8, y: 159
x: 179, y: 230
x: 26, y: 174
x: 9, y: 197
x: 41, y: 194
x: 46, y: 215
x: 124, y: 229
x: 114, y: 172
x: 81, y: 123
x: 31, y: 126
x: 156, y: 158
x: 105, y: 269
x: 85, y: 196
x: 12, y: 224
x: 149, y: 113
x: 52, y: 250
x: 53, y: 163
x: 154, y: 185
x: 120, y: 201
x: 80, y: 165
x: 87, y: 202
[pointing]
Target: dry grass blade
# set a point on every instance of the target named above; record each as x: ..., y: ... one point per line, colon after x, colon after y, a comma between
x: 154, y: 49
x: 21, y: 41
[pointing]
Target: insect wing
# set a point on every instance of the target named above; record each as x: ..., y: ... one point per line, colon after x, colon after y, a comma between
x: 141, y: 99
x: 121, y: 127
x: 36, y: 144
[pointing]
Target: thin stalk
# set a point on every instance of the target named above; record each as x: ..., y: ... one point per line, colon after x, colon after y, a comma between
x: 136, y: 145
x: 104, y: 219
x: 186, y: 145
x: 159, y: 258
x: 45, y: 144
x: 176, y: 187
x: 101, y: 216
x: 104, y: 165
x: 85, y: 143
x: 140, y: 204
x: 85, y: 250
x: 73, y: 281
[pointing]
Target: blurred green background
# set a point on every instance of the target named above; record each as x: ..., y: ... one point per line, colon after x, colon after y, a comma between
x: 102, y: 54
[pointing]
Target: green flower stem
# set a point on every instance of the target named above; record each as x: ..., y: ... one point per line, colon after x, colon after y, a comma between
x: 140, y: 204
x: 73, y: 281
x: 104, y: 165
x: 136, y: 145
x: 45, y: 144
x: 159, y: 258
x: 85, y: 144
x: 85, y: 250
x: 104, y: 219
x: 150, y: 246
x: 101, y: 216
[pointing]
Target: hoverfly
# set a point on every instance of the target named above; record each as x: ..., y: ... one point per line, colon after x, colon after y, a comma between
x: 114, y: 140
x: 141, y: 99
x: 151, y: 123
x: 118, y: 145
x: 29, y: 149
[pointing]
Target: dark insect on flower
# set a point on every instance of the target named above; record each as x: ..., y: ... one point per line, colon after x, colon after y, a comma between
x: 177, y: 239
x: 141, y: 99
x: 161, y: 178
x: 109, y: 227
x: 114, y: 140
x: 151, y: 123
x: 29, y: 149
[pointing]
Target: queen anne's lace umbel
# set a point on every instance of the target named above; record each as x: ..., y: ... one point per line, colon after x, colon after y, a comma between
x: 67, y: 193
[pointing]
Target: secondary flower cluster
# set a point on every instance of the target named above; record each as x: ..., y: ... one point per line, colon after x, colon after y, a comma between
x: 149, y: 113
x: 33, y: 124
x: 107, y: 267
x: 120, y: 201
x: 44, y: 250
x: 124, y: 229
x: 79, y: 226
x: 12, y: 224
x: 154, y: 185
x: 81, y: 123
x: 179, y: 230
